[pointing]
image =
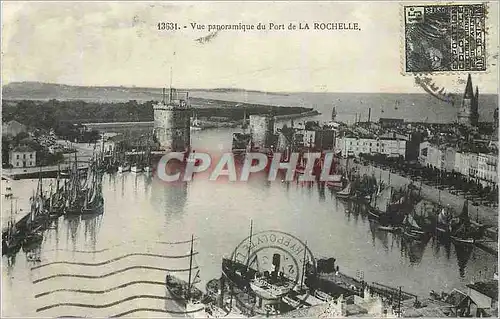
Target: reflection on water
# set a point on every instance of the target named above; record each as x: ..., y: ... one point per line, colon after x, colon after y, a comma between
x: 413, y: 249
x: 464, y: 253
x: 142, y: 207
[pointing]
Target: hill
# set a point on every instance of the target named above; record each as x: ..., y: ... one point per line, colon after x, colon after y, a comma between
x: 52, y: 91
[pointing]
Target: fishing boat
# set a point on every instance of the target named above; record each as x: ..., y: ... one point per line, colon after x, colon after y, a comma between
x: 57, y: 199
x: 10, y: 239
x: 443, y: 221
x: 346, y: 192
x: 411, y: 228
x: 462, y: 230
x: 184, y: 293
x: 335, y: 182
x: 75, y: 195
x: 380, y: 202
x: 136, y: 168
x: 389, y: 228
x: 93, y: 201
x: 124, y: 168
x: 33, y: 233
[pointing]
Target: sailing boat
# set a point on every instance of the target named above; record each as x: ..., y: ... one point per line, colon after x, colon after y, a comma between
x: 75, y: 198
x: 137, y: 167
x: 185, y: 293
x: 411, y: 228
x: 93, y: 202
x: 10, y: 240
x: 33, y: 233
x: 462, y: 230
x: 443, y: 221
x: 346, y: 192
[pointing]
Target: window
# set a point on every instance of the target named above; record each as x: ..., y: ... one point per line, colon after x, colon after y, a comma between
x: 17, y: 163
x: 17, y: 156
x: 31, y: 155
x: 31, y: 163
x: 24, y: 156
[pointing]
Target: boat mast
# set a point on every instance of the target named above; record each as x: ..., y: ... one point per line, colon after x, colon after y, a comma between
x: 188, y: 295
x: 303, y: 266
x: 250, y: 245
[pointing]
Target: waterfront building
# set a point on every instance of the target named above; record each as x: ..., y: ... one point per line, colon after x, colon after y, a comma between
x: 172, y: 121
x: 479, y: 166
x: 462, y: 163
x: 485, y: 297
x: 468, y: 111
x: 487, y: 169
x: 22, y: 156
x: 13, y: 128
x: 354, y: 146
x: 262, y: 131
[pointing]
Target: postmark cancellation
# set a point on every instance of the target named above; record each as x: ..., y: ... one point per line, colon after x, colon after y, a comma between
x: 445, y: 38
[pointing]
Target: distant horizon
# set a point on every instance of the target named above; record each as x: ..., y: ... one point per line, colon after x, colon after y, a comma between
x: 216, y: 88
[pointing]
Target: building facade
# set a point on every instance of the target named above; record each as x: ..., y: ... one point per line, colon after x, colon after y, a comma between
x: 22, y: 156
x: 481, y: 167
x: 353, y: 146
x: 487, y: 169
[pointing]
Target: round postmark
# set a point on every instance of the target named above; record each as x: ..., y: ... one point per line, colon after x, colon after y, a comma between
x: 268, y: 272
x: 439, y: 88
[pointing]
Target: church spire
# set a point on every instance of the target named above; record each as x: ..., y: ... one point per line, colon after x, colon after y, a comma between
x: 477, y: 93
x: 469, y: 92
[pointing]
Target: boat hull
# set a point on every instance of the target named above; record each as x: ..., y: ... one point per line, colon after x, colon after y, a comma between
x: 178, y: 288
x: 94, y: 209
x: 463, y: 240
x: 136, y: 169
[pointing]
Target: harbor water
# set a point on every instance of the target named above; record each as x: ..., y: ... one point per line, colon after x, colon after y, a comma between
x: 150, y: 222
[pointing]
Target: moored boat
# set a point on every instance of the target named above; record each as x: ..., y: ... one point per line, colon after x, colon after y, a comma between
x: 346, y: 192
x: 184, y: 292
x: 136, y: 168
x: 124, y: 168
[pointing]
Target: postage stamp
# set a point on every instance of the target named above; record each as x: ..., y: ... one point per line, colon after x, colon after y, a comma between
x: 444, y: 38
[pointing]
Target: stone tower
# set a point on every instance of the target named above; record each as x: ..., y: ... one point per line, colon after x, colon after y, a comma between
x: 262, y: 131
x: 468, y: 112
x: 172, y: 121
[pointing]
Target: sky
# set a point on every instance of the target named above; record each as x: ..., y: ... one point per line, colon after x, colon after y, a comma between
x: 113, y: 44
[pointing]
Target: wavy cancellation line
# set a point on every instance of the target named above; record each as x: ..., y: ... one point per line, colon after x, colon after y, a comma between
x: 142, y: 309
x: 122, y: 244
x: 97, y: 292
x: 102, y: 263
x: 108, y: 274
x: 111, y: 304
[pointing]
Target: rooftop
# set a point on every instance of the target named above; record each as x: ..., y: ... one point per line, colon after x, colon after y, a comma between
x: 489, y: 288
x: 23, y: 149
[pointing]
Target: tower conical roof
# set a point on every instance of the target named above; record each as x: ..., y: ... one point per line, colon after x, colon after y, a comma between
x: 469, y: 92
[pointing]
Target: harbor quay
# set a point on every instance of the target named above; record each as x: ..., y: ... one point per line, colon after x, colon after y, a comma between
x: 486, y: 215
